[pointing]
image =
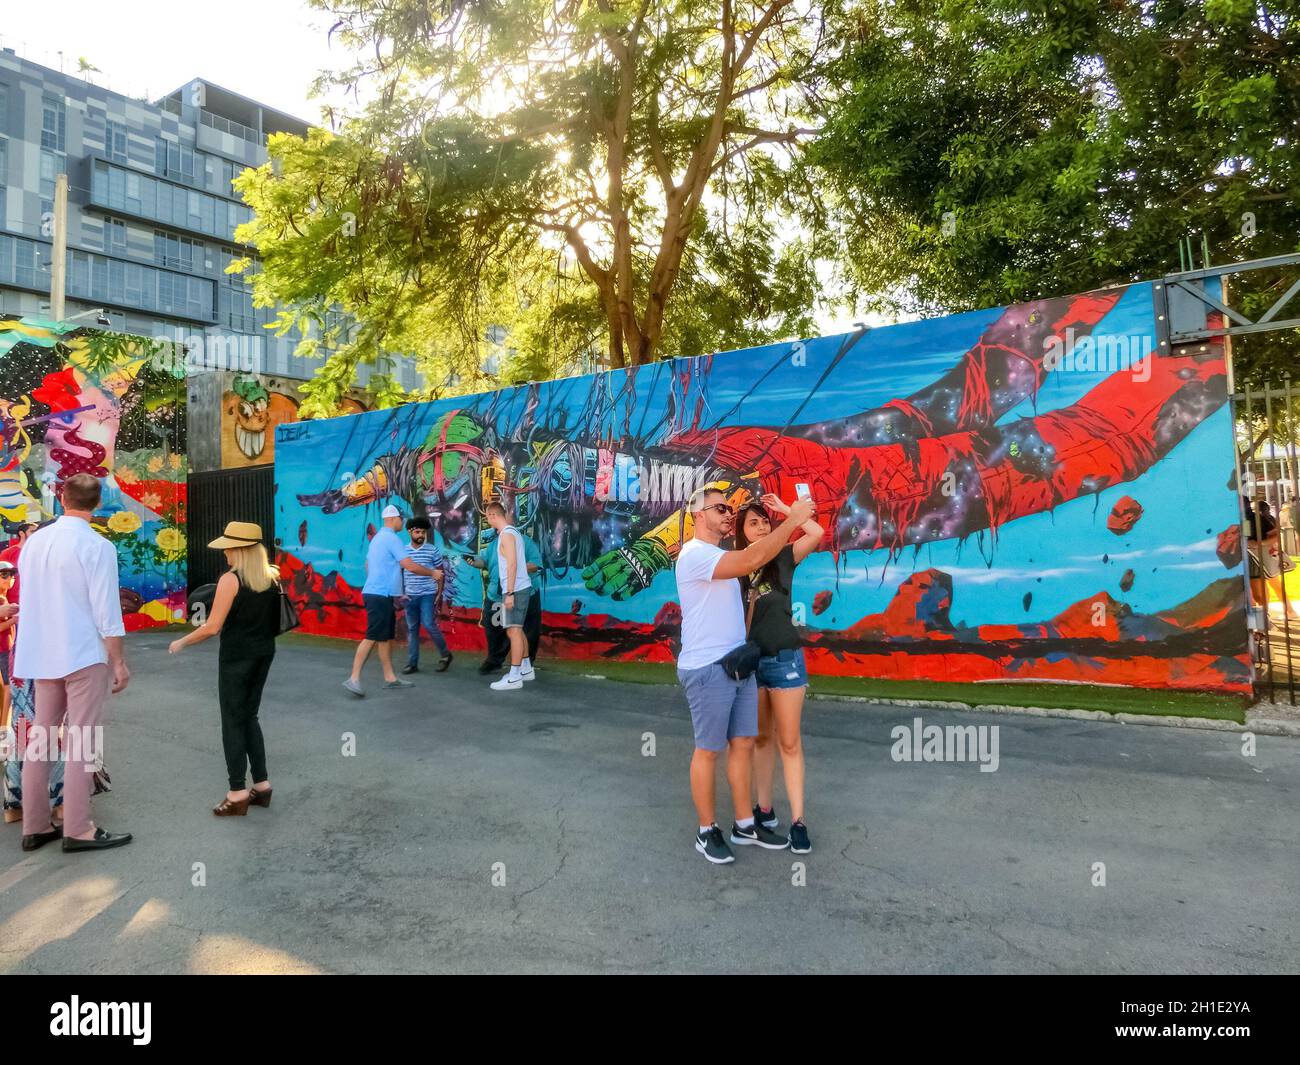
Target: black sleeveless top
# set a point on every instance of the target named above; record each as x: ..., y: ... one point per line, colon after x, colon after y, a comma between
x: 252, y: 624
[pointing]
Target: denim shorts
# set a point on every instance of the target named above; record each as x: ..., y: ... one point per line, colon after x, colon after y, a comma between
x: 721, y: 708
x: 785, y: 669
x: 513, y: 618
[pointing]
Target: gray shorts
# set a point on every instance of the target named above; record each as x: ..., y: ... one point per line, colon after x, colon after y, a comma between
x: 514, y: 618
x: 721, y: 708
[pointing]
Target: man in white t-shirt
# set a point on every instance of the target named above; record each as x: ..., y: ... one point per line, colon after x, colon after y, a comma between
x: 516, y: 590
x: 724, y: 711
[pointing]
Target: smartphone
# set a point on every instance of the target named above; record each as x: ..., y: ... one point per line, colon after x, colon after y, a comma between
x: 802, y: 491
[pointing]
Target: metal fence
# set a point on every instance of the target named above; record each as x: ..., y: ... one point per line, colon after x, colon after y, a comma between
x: 1267, y: 424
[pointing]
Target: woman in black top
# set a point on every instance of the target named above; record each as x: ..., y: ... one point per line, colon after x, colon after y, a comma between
x: 782, y: 674
x: 246, y: 612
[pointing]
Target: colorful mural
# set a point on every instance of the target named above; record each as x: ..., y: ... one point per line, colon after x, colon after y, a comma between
x: 77, y: 400
x: 251, y: 409
x: 1029, y: 492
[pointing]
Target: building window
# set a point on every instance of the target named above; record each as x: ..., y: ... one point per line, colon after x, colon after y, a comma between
x: 177, y: 162
x: 115, y: 236
x: 54, y: 124
x: 20, y: 263
x: 146, y: 197
x: 4, y: 108
x: 52, y: 165
x: 176, y: 252
x: 115, y: 141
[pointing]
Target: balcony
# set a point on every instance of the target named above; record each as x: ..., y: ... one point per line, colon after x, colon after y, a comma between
x: 234, y: 140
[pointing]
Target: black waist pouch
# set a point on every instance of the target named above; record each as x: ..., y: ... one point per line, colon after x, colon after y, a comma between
x: 740, y: 662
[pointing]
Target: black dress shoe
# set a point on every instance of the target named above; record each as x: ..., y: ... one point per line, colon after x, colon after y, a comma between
x: 102, y: 841
x: 444, y: 662
x: 489, y: 667
x: 31, y: 843
x: 410, y: 669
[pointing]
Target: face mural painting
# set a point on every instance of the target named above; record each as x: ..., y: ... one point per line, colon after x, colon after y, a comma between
x: 1029, y: 492
x: 78, y: 400
x: 251, y: 409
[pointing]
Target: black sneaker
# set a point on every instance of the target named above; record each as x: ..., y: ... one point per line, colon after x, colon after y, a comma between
x: 410, y: 669
x: 757, y: 835
x: 443, y: 663
x: 768, y: 820
x: 799, y: 841
x: 713, y: 846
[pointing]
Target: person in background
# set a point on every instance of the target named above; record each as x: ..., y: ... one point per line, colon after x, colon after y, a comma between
x: 533, y: 619
x: 422, y: 595
x: 20, y: 704
x: 724, y: 710
x: 246, y: 614
x: 386, y: 557
x: 495, y: 638
x: 782, y: 673
x: 8, y: 619
x: 516, y: 590
x: 69, y: 579
x: 10, y: 554
x: 1267, y: 543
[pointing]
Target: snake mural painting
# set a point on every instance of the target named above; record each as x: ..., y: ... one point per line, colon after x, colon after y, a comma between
x: 79, y: 400
x: 1028, y: 492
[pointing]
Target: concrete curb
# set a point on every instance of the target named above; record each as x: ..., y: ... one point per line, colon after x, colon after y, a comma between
x: 1259, y: 725
x: 1255, y: 721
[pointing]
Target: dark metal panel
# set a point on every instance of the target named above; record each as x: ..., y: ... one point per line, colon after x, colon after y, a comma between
x: 220, y: 496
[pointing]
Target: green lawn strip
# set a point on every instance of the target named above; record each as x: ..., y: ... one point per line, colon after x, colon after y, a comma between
x: 1051, y: 696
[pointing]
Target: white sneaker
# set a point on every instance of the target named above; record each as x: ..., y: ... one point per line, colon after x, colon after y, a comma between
x: 530, y: 675
x: 506, y: 684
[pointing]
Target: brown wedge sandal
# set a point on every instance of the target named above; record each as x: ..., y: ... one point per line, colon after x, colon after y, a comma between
x: 260, y: 798
x: 227, y: 807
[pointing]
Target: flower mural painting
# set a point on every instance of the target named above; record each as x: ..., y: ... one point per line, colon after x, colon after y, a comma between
x: 84, y: 400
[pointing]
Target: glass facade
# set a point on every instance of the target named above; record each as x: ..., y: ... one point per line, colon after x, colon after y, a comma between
x: 103, y: 280
x: 138, y: 194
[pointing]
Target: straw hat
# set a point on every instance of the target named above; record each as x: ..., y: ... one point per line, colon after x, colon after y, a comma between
x: 239, y: 534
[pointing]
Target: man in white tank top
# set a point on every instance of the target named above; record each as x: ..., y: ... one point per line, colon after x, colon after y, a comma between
x: 516, y: 589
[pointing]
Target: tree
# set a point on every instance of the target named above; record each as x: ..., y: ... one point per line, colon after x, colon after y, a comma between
x: 639, y: 148
x: 990, y: 151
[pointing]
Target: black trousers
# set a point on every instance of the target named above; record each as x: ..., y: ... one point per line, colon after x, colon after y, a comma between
x: 533, y: 623
x: 498, y: 643
x: 239, y: 690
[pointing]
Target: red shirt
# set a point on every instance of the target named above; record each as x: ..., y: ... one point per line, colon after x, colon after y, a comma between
x: 10, y: 554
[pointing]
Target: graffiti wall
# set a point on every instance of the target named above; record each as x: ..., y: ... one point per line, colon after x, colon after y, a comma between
x: 1029, y: 492
x: 251, y: 408
x: 76, y: 400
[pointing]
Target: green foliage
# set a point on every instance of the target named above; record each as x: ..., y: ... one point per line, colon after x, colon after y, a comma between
x: 986, y: 152
x: 587, y: 172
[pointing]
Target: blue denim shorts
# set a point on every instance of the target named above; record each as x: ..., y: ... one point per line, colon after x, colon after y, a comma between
x: 785, y: 669
x: 721, y: 708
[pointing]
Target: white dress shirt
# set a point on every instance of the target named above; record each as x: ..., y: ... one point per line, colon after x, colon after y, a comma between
x: 70, y: 601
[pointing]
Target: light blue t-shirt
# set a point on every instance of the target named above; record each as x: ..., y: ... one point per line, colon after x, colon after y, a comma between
x: 383, y: 564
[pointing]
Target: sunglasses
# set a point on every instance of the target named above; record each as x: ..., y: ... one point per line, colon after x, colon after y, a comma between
x: 721, y: 508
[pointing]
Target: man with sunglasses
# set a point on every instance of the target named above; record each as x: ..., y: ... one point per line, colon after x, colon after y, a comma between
x: 724, y: 711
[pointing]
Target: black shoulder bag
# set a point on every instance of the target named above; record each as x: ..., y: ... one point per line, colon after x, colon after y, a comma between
x: 288, y: 612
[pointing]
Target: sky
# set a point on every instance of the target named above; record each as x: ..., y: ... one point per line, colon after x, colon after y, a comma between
x: 269, y: 50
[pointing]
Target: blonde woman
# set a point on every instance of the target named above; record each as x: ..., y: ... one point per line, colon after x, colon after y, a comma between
x: 246, y: 612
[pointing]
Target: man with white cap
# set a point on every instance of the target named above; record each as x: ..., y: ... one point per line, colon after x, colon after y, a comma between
x: 385, y: 559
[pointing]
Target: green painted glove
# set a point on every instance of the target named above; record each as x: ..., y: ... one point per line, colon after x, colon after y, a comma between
x: 623, y: 572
